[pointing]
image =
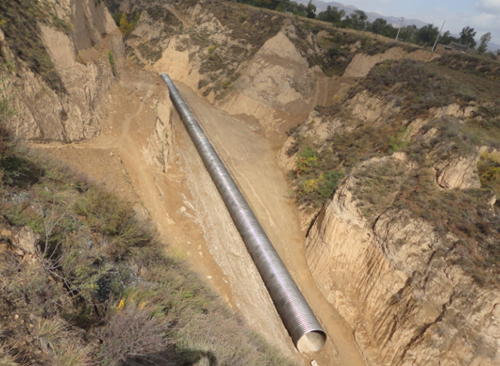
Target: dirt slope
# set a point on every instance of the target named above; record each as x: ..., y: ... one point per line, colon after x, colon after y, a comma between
x: 250, y: 159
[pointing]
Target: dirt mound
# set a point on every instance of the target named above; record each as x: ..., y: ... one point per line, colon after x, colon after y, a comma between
x: 363, y: 63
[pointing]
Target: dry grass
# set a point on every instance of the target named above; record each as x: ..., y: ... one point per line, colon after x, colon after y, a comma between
x: 19, y: 22
x: 101, y: 289
x: 419, y: 85
x: 480, y: 65
x: 375, y: 186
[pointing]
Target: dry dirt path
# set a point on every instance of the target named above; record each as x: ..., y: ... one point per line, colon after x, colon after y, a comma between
x: 250, y: 159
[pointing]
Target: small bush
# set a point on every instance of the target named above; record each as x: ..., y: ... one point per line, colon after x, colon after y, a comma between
x: 313, y: 185
x: 131, y: 330
x: 112, y: 63
x: 489, y: 172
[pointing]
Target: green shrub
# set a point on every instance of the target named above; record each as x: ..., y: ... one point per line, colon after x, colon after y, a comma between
x: 112, y: 63
x: 489, y: 172
x: 306, y: 160
x: 313, y: 185
x: 328, y: 183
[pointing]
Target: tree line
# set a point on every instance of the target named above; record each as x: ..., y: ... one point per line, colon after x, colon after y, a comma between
x: 358, y: 20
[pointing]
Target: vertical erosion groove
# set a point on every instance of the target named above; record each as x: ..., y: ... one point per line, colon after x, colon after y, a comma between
x: 303, y: 326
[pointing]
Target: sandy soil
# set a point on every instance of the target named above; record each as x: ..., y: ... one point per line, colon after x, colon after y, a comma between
x: 192, y: 218
x: 251, y: 160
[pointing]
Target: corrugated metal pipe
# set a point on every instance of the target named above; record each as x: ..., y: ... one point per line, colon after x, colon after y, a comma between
x: 299, y: 320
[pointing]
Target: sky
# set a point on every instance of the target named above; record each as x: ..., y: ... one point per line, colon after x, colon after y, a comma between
x: 482, y: 15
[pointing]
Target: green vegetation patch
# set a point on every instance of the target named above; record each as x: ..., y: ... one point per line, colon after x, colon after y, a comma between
x: 313, y: 183
x: 126, y: 23
x: 19, y: 21
x: 101, y: 289
x: 489, y: 172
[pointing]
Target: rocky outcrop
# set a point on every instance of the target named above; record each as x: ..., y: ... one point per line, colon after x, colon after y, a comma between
x: 458, y: 172
x: 159, y: 144
x: 397, y: 284
x: 19, y: 240
x: 87, y: 59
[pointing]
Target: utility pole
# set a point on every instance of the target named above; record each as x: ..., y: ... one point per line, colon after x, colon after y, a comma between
x: 399, y: 30
x: 435, y: 43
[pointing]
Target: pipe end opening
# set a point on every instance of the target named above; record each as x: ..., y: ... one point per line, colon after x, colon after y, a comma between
x: 311, y: 341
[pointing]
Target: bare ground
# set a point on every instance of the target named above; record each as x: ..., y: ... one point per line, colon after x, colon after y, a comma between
x: 192, y: 218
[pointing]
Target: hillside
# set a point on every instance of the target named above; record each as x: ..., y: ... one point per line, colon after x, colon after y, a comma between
x: 86, y: 279
x: 372, y: 167
x: 412, y: 155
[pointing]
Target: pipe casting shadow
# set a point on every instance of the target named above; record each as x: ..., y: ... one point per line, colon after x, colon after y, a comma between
x: 303, y: 326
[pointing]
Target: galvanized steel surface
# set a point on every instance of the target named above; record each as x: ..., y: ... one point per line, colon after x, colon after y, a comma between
x: 303, y: 326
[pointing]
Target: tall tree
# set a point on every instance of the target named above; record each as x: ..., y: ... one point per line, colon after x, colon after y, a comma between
x: 467, y: 37
x: 427, y: 34
x: 332, y: 14
x: 379, y: 26
x: 485, y: 39
x: 408, y: 33
x: 311, y: 10
x: 357, y: 20
x: 447, y: 38
x: 286, y: 6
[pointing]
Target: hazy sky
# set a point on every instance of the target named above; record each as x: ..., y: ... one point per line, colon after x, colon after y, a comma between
x: 482, y: 15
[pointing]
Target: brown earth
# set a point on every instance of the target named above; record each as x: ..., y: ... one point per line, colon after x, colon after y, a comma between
x: 189, y: 213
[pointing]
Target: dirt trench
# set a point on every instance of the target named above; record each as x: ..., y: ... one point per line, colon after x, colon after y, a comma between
x: 190, y: 214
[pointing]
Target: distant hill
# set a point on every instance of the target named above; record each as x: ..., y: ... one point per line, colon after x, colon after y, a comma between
x: 493, y: 46
x: 321, y: 5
